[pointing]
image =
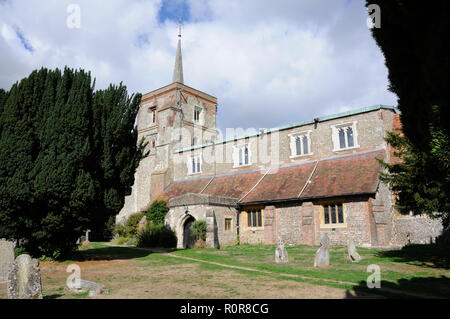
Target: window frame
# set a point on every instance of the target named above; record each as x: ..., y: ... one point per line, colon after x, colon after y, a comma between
x: 225, y: 224
x: 256, y: 217
x: 240, y: 150
x: 197, y: 111
x: 336, y: 138
x: 326, y: 206
x: 195, y: 159
x: 293, y: 144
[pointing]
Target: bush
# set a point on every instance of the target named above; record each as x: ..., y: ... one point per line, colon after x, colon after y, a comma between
x: 157, y: 212
x: 157, y: 235
x: 198, y: 229
x: 130, y: 228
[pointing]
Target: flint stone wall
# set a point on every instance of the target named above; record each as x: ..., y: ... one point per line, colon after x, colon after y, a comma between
x: 6, y: 257
x: 418, y: 229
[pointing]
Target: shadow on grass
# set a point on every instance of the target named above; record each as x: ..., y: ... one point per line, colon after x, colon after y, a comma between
x: 418, y: 287
x: 55, y: 296
x: 430, y: 255
x: 111, y: 253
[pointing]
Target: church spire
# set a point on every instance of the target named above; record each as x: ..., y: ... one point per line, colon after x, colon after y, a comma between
x: 178, y: 71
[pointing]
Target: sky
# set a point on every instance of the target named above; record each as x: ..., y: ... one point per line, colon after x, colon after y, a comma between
x: 269, y: 63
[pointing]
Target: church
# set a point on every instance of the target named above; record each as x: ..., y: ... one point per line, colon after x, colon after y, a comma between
x: 291, y: 182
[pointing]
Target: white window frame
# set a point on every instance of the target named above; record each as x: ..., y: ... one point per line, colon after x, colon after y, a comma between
x: 236, y: 158
x: 293, y: 137
x: 198, y: 159
x: 335, y: 136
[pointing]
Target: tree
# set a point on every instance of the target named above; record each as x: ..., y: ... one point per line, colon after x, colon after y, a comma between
x: 416, y: 54
x: 118, y: 156
x: 411, y: 37
x: 420, y: 180
x: 67, y: 158
x: 157, y: 212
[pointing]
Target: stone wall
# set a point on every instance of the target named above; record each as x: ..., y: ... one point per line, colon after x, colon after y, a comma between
x: 274, y: 148
x: 200, y: 207
x: 418, y: 229
x: 300, y: 223
x: 170, y: 130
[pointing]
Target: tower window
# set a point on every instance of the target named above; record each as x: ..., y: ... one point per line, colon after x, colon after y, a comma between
x: 197, y: 111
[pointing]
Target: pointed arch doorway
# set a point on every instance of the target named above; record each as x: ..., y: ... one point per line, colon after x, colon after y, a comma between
x: 188, y: 238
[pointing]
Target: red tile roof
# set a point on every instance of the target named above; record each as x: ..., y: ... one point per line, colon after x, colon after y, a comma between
x: 234, y: 185
x: 345, y: 175
x: 282, y: 183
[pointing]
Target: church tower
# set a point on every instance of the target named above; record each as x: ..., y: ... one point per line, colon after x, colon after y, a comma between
x: 172, y: 117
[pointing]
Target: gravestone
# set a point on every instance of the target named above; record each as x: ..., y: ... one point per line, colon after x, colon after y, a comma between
x: 352, y: 253
x: 93, y: 288
x: 24, y: 279
x: 6, y: 257
x: 281, y: 254
x: 322, y: 258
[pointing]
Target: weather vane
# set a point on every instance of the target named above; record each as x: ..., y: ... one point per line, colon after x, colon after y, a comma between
x: 180, y: 25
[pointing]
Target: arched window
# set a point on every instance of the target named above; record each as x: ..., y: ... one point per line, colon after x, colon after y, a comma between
x: 350, y: 137
x: 342, y: 138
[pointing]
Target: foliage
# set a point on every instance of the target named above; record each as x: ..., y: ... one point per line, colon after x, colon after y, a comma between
x: 132, y: 224
x: 157, y: 235
x: 157, y: 212
x: 198, y: 229
x: 416, y: 56
x: 67, y: 158
x: 421, y: 180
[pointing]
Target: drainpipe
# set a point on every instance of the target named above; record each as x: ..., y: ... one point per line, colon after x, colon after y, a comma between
x: 238, y: 212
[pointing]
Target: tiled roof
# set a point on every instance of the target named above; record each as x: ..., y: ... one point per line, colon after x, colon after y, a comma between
x: 282, y: 183
x: 347, y: 175
x: 338, y: 176
x: 176, y: 189
x: 233, y: 185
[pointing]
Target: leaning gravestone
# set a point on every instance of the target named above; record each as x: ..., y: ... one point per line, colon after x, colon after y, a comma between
x: 281, y: 255
x: 352, y: 253
x: 6, y: 257
x: 322, y: 255
x: 24, y: 279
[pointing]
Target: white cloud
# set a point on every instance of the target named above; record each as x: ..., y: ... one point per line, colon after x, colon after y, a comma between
x: 268, y: 63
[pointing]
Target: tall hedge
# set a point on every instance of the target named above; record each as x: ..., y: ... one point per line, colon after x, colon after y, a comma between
x: 68, y: 155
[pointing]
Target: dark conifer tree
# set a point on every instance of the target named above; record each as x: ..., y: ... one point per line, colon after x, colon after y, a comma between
x: 413, y: 36
x: 67, y: 158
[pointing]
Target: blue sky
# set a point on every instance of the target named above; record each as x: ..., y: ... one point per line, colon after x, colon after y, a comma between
x: 269, y: 63
x: 173, y: 10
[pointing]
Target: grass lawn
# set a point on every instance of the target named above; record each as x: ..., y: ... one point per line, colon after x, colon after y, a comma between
x: 421, y: 271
